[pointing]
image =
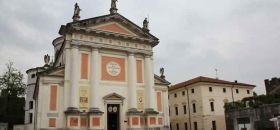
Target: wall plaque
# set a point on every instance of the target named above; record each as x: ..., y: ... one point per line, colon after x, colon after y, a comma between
x: 113, y: 68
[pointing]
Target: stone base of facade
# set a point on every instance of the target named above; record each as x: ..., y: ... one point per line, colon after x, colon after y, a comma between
x: 156, y: 128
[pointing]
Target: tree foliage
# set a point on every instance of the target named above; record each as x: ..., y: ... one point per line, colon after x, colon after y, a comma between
x: 11, y: 83
x: 253, y: 102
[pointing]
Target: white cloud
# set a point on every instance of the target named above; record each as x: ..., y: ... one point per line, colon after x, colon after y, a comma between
x: 240, y: 38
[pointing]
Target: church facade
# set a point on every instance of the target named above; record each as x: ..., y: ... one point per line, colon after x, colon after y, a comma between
x: 101, y: 78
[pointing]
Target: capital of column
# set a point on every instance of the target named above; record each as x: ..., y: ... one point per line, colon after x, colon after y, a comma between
x: 131, y: 54
x: 67, y: 47
x: 95, y: 49
x: 74, y: 47
x: 148, y: 56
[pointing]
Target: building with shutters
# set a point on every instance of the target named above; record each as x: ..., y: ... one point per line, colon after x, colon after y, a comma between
x: 198, y: 104
x: 101, y: 78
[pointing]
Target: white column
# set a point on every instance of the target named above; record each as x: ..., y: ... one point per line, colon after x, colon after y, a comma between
x: 149, y: 84
x: 74, y: 88
x: 166, y: 106
x: 67, y: 77
x: 94, y: 73
x: 132, y: 80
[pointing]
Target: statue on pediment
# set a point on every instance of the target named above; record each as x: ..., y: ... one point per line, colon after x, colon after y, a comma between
x: 113, y: 4
x: 146, y: 25
x: 47, y: 59
x: 77, y: 10
x: 113, y: 9
x: 161, y: 71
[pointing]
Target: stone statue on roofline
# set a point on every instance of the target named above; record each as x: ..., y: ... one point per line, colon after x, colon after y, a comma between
x: 76, y: 15
x: 161, y: 71
x: 47, y: 59
x: 113, y: 8
x: 113, y: 4
x: 146, y: 25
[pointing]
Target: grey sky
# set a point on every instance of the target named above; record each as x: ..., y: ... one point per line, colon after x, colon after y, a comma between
x: 238, y: 37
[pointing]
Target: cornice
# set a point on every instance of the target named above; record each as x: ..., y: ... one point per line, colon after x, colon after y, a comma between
x: 109, y: 46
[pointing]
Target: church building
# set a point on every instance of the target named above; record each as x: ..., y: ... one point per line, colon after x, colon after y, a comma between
x: 101, y: 78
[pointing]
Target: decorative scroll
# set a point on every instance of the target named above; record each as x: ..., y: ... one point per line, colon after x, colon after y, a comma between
x: 140, y: 99
x: 83, y: 97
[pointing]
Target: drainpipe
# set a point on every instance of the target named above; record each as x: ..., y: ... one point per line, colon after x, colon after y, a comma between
x: 190, y: 124
x: 232, y: 93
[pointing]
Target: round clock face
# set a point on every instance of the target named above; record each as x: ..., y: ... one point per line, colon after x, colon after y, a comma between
x: 113, y: 68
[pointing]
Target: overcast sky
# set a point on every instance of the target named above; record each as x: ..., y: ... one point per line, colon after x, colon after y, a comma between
x: 238, y: 37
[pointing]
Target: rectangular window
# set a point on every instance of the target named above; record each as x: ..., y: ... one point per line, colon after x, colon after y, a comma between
x: 175, y: 95
x: 176, y: 110
x: 210, y: 89
x: 248, y: 91
x: 192, y: 90
x: 236, y: 90
x: 214, y: 125
x: 212, y: 106
x: 30, y: 104
x: 224, y: 90
x: 195, y: 125
x: 183, y: 93
x: 30, y: 117
x: 177, y: 126
x: 84, y: 66
x: 186, y: 126
x: 185, y: 109
x: 53, y: 97
x: 194, y: 108
x: 159, y: 107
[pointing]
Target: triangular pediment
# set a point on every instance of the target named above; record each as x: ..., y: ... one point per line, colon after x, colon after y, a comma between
x: 59, y: 71
x: 113, y: 96
x: 160, y: 81
x: 114, y: 27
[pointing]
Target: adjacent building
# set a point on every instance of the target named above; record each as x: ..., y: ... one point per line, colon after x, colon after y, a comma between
x: 272, y: 86
x: 101, y: 78
x: 249, y: 118
x: 258, y: 112
x: 198, y: 104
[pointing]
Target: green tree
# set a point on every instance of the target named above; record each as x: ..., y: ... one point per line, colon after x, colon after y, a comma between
x: 12, y: 101
x: 11, y: 84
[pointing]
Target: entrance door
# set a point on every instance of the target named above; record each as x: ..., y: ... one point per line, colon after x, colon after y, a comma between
x: 113, y: 117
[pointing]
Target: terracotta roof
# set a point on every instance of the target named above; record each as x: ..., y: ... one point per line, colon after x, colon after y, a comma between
x: 206, y: 80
